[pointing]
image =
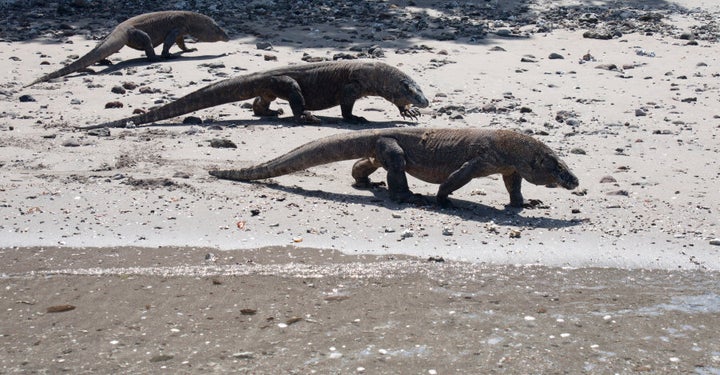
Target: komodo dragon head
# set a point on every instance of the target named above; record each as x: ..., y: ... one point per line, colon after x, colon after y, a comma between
x: 207, y: 31
x: 409, y: 94
x: 547, y: 169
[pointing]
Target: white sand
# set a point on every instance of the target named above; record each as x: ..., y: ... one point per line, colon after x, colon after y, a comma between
x: 68, y: 196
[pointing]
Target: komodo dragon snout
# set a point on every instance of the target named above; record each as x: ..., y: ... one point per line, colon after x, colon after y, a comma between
x: 550, y: 171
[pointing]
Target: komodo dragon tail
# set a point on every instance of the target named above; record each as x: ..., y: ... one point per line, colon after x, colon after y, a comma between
x: 347, y: 146
x: 209, y: 96
x: 103, y: 50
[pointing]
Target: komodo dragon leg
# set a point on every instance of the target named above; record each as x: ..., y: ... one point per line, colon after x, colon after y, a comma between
x: 361, y: 171
x: 351, y: 92
x: 175, y: 36
x: 392, y: 157
x: 287, y: 88
x: 512, y: 184
x: 180, y: 41
x: 138, y: 39
x: 460, y: 178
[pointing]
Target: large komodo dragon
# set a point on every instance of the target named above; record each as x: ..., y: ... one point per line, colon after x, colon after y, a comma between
x: 306, y: 87
x: 449, y: 157
x: 145, y: 32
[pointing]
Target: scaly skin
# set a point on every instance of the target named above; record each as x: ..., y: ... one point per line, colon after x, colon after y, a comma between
x: 306, y: 87
x: 449, y: 157
x: 145, y: 32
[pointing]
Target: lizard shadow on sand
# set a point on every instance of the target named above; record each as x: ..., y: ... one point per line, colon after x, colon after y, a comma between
x: 287, y: 120
x: 463, y: 209
x: 142, y: 61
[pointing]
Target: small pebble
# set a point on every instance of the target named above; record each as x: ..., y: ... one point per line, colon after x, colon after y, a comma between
x: 243, y: 355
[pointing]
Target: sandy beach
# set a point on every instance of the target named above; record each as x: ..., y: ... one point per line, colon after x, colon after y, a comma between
x: 158, y: 259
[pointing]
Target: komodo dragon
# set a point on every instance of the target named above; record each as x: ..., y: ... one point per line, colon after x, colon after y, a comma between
x: 145, y: 32
x: 306, y: 87
x: 449, y: 157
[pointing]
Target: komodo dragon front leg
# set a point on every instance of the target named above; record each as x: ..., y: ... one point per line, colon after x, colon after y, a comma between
x: 283, y: 87
x: 179, y: 40
x: 389, y: 155
x: 512, y: 184
x: 480, y: 167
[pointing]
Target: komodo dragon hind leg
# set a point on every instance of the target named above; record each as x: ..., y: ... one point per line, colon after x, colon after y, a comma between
x: 287, y: 88
x: 351, y: 92
x: 175, y: 36
x: 361, y: 171
x: 138, y: 39
x: 460, y: 178
x: 392, y: 157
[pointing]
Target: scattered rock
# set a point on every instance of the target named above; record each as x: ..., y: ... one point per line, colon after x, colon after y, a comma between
x: 600, y: 34
x: 192, y: 120
x: 555, y: 56
x: 118, y: 90
x: 607, y: 180
x: 607, y: 67
x: 102, y: 132
x: 114, y: 104
x: 148, y: 90
x: 715, y: 242
x: 244, y: 355
x: 161, y: 358
x: 71, y: 143
x: 265, y: 46
x: 222, y: 143
x: 60, y: 308
x: 622, y: 193
x: 27, y: 98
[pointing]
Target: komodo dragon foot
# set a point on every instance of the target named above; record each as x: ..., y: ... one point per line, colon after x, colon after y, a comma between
x: 529, y: 204
x: 411, y: 198
x: 410, y: 112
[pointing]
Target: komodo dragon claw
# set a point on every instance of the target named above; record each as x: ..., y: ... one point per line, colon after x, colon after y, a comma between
x: 411, y: 112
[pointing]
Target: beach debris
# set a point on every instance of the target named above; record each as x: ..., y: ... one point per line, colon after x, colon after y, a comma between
x: 60, y: 308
